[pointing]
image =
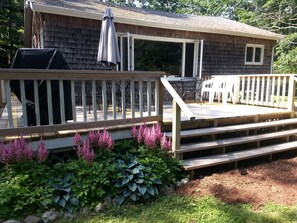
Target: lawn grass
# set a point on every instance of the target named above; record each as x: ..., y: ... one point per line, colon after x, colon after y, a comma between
x: 175, y: 209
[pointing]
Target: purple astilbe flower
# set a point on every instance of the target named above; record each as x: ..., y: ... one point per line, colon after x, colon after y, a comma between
x: 93, y: 137
x: 141, y: 133
x: 21, y: 150
x: 105, y: 140
x: 7, y: 155
x: 79, y: 151
x: 42, y: 151
x: 134, y: 132
x: 150, y: 138
x: 165, y: 143
x: 157, y: 132
x: 77, y: 139
x: 87, y: 153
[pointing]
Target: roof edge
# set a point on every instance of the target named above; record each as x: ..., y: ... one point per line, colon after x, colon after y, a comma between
x: 98, y: 16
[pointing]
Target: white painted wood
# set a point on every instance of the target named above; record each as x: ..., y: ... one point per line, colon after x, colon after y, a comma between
x: 141, y: 102
x: 284, y: 91
x: 157, y: 97
x: 253, y: 93
x: 123, y: 93
x: 183, y: 67
x: 132, y: 52
x: 73, y: 103
x: 104, y: 100
x: 94, y: 99
x: 49, y: 102
x: 242, y: 90
x: 132, y: 98
x: 291, y: 94
x: 272, y: 92
x: 201, y: 58
x: 278, y: 91
x: 262, y: 90
x: 149, y: 97
x: 176, y: 127
x: 186, y: 110
x: 258, y: 91
x: 113, y: 98
x: 129, y: 51
x: 267, y: 91
x: 8, y: 103
x: 36, y: 102
x: 62, y: 102
x: 84, y: 100
x: 248, y: 91
x: 24, y: 102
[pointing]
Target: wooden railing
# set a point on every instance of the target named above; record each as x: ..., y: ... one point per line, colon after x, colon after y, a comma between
x: 72, y: 99
x: 271, y: 90
x: 178, y: 105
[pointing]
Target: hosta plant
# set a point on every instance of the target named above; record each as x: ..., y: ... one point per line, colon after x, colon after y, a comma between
x: 135, y: 181
x: 63, y: 193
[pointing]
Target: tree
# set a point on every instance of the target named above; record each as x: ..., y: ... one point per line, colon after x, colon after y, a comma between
x: 11, y: 29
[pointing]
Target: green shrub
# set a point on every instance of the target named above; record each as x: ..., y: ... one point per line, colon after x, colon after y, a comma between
x: 23, y: 188
x: 135, y: 181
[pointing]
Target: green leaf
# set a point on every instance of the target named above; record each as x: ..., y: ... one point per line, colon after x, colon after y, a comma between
x: 156, y: 191
x: 156, y: 181
x: 126, y: 192
x: 135, y: 170
x: 141, y: 167
x: 69, y: 209
x: 133, y: 197
x: 68, y: 189
x: 150, y: 190
x: 66, y: 197
x: 139, y: 180
x: 140, y: 174
x: 56, y: 198
x: 62, y: 203
x: 125, y: 180
x: 74, y: 201
x: 132, y: 186
x: 66, y: 178
x: 142, y: 189
x: 120, y: 199
x: 130, y: 176
x: 130, y: 165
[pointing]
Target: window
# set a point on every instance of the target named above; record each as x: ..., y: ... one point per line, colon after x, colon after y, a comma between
x: 254, y: 54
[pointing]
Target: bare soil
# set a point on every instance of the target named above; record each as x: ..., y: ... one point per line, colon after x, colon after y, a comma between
x: 256, y: 184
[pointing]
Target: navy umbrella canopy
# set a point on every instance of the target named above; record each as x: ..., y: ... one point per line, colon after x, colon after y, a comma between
x: 108, y: 52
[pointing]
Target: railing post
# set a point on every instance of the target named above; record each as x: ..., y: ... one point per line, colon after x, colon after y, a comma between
x: 236, y: 90
x: 291, y: 93
x: 176, y: 127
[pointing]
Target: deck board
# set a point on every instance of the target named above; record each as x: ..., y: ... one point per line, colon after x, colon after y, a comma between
x: 189, y: 147
x: 207, y: 161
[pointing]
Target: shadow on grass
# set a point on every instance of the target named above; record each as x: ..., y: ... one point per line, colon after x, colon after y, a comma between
x: 177, y: 209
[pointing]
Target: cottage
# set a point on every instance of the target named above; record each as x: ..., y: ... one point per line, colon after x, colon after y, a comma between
x: 180, y: 45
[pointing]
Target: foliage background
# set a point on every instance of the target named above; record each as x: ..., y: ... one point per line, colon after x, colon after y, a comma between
x: 274, y: 15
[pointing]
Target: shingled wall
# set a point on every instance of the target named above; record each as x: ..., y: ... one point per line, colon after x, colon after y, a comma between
x: 78, y: 40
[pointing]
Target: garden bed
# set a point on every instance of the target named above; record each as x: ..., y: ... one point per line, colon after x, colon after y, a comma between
x: 263, y: 183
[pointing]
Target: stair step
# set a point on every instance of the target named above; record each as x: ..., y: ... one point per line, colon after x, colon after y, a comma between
x: 207, y: 161
x: 190, y: 147
x: 233, y: 128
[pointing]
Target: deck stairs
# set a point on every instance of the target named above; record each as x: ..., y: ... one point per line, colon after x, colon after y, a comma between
x: 223, y: 142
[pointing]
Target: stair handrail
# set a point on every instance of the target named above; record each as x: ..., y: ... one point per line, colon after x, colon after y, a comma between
x: 178, y: 105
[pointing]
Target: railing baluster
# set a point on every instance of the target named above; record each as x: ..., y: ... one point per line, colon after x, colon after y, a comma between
x: 8, y: 103
x: 84, y: 100
x: 113, y: 95
x: 262, y: 90
x: 278, y: 91
x: 94, y: 99
x: 24, y: 102
x: 149, y: 97
x: 132, y: 98
x: 73, y: 103
x: 248, y: 90
x: 257, y: 94
x: 284, y: 91
x: 104, y: 100
x: 267, y: 91
x: 141, y: 98
x: 253, y: 91
x: 49, y: 102
x: 242, y: 90
x: 123, y: 96
x: 272, y: 91
x: 62, y: 102
x: 36, y: 101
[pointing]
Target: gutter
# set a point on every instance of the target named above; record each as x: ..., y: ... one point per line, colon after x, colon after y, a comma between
x: 118, y: 19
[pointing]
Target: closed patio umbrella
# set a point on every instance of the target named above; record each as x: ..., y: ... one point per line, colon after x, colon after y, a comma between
x: 108, y: 52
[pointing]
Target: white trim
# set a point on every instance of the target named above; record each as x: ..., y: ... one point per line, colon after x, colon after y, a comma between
x: 163, y: 39
x: 41, y: 38
x: 98, y: 16
x: 254, y: 46
x: 183, y: 65
x: 201, y: 59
